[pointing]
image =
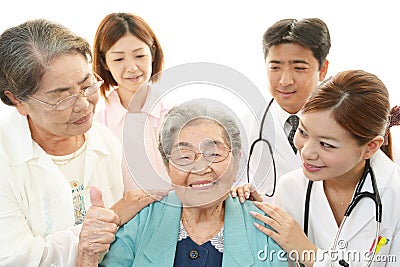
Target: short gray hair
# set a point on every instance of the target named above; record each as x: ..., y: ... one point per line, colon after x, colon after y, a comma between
x: 191, y: 114
x: 28, y: 49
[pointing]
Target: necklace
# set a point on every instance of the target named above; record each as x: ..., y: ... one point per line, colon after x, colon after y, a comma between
x: 62, y: 162
x: 198, y: 238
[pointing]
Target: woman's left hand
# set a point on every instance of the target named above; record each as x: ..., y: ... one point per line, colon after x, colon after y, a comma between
x: 134, y: 201
x: 288, y: 233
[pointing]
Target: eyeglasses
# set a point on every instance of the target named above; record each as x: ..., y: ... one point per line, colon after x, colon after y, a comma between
x: 185, y: 157
x: 71, y: 100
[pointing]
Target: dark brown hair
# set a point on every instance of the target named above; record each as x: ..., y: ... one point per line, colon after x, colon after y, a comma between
x: 359, y: 102
x: 311, y: 33
x: 111, y: 29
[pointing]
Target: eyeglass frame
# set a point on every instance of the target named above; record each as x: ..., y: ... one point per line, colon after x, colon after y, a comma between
x: 95, y: 85
x: 196, y: 158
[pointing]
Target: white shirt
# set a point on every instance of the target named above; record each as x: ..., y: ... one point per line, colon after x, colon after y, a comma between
x: 359, y: 230
x: 36, y: 210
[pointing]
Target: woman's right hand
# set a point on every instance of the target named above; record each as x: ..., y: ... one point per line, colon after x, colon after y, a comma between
x: 98, y: 230
x: 246, y: 192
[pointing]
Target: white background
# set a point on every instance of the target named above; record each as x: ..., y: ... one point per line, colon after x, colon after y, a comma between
x: 364, y: 33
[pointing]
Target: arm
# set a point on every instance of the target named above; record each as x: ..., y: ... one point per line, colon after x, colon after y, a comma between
x: 20, y: 212
x: 101, y: 224
x: 288, y: 233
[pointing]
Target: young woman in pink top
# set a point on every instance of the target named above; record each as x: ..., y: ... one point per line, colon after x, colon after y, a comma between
x: 127, y: 55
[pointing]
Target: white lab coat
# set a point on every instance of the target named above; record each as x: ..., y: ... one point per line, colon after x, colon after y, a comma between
x: 36, y: 210
x: 359, y: 230
x: 285, y: 159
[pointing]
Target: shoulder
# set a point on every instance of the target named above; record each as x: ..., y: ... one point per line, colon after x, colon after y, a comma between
x: 294, y: 179
x: 100, y: 138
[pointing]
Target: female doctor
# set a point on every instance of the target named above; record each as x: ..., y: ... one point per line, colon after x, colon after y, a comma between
x: 343, y: 125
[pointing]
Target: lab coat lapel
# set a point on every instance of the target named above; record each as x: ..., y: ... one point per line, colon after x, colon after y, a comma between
x: 322, y: 224
x: 282, y: 148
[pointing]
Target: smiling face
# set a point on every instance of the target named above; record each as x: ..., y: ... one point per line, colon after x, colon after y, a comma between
x: 327, y: 149
x: 202, y: 183
x: 67, y: 75
x: 293, y: 73
x: 129, y: 60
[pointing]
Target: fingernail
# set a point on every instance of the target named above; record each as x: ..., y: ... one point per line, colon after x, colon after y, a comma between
x: 247, y: 195
x: 241, y: 199
x: 252, y: 213
x: 234, y: 194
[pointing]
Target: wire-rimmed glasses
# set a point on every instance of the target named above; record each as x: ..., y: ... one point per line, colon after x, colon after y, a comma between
x: 69, y: 101
x: 185, y: 156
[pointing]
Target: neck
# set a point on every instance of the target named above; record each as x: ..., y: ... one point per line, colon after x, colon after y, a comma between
x: 58, y: 146
x: 198, y: 215
x: 139, y: 98
x: 202, y: 224
x: 347, y: 181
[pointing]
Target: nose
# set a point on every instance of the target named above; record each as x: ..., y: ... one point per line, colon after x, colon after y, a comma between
x: 306, y: 148
x: 131, y: 64
x: 82, y: 103
x: 200, y: 165
x: 286, y: 77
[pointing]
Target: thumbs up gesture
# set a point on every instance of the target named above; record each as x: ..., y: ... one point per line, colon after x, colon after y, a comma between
x: 98, y: 230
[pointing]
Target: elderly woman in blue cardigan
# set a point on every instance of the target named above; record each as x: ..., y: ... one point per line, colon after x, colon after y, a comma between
x: 197, y: 224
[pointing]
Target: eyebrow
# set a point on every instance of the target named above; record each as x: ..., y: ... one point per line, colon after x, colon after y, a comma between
x: 63, y: 89
x: 122, y: 52
x: 184, y: 144
x: 296, y: 61
x: 189, y: 145
x: 320, y: 136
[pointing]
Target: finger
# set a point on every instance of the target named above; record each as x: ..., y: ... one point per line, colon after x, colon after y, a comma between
x: 273, y: 211
x: 233, y: 192
x: 255, y: 196
x: 240, y: 193
x: 96, y: 197
x: 159, y: 192
x: 247, y: 189
x: 267, y: 231
x: 267, y: 220
x: 101, y: 214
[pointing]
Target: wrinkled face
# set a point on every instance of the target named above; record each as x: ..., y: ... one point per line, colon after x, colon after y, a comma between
x: 327, y: 149
x: 293, y: 73
x: 130, y: 63
x: 202, y: 183
x: 66, y: 76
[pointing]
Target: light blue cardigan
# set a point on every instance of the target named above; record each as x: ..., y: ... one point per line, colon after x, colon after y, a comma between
x: 150, y: 238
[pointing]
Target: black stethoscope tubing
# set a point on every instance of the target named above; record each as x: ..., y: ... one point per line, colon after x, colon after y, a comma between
x: 358, y: 195
x: 261, y: 139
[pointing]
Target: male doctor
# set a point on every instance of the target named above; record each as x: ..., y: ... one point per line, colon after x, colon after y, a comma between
x: 295, y: 53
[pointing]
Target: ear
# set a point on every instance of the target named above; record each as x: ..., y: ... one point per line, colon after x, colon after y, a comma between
x: 373, y: 146
x: 324, y: 70
x: 21, y: 106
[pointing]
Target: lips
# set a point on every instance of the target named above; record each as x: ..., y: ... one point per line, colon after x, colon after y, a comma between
x: 312, y: 168
x: 202, y: 185
x: 83, y: 119
x: 133, y: 78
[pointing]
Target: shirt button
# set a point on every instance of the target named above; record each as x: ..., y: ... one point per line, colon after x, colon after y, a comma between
x: 193, y: 254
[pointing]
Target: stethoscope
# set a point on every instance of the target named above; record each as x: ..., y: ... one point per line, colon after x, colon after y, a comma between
x: 260, y: 139
x: 358, y: 195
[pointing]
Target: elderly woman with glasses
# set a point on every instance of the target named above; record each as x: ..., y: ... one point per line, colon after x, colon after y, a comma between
x: 197, y: 224
x: 50, y: 151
